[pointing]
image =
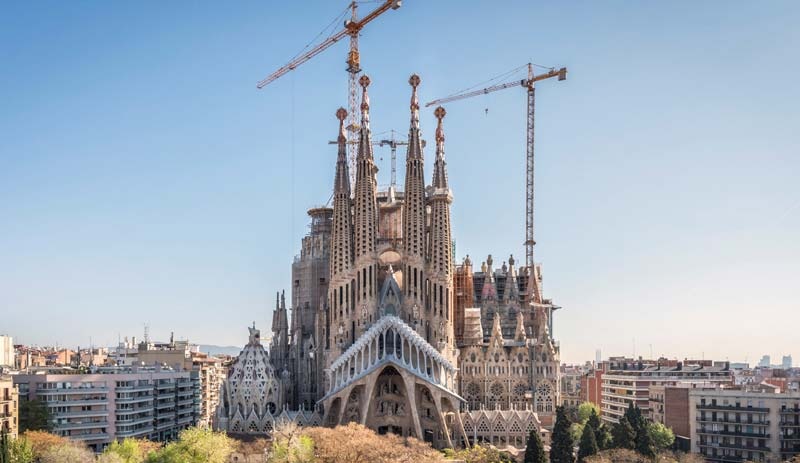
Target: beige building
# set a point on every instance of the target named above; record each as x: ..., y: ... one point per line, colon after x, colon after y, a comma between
x: 623, y: 387
x: 9, y: 407
x: 757, y: 423
x: 115, y: 403
x: 180, y: 355
x: 7, y: 352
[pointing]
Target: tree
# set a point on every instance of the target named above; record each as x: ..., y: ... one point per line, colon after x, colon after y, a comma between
x: 623, y: 435
x: 41, y: 441
x: 594, y: 420
x: 588, y: 446
x: 601, y: 434
x: 5, y: 453
x: 289, y: 446
x: 576, y: 431
x: 20, y: 451
x: 643, y: 443
x: 585, y: 411
x: 69, y: 452
x: 355, y: 443
x: 34, y: 416
x: 661, y: 436
x: 195, y: 445
x: 130, y: 450
x: 617, y: 456
x: 561, y: 447
x: 534, y: 449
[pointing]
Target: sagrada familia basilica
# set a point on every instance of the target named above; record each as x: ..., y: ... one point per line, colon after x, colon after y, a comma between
x: 387, y: 330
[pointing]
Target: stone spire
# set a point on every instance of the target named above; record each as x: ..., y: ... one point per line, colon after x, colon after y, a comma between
x: 280, y: 330
x: 519, y: 331
x: 440, y: 248
x: 341, y: 259
x: 357, y: 303
x: 496, y: 337
x: 511, y: 290
x: 488, y: 291
x: 414, y: 208
x: 439, y: 166
x: 366, y: 210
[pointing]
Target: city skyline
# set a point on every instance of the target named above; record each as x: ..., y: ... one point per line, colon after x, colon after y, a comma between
x: 143, y: 179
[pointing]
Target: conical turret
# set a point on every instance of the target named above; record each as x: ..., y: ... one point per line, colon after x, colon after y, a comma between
x: 342, y: 233
x: 440, y: 250
x: 360, y: 302
x: 511, y: 290
x: 414, y: 209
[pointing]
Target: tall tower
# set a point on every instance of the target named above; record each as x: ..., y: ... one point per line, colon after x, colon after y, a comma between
x: 414, y: 212
x: 440, y: 264
x: 341, y: 286
x: 365, y: 215
x: 280, y: 339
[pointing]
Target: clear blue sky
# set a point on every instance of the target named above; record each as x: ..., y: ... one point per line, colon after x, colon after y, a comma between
x: 144, y: 179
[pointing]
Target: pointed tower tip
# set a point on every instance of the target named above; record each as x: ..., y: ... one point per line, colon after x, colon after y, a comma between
x: 414, y: 81
x: 364, y: 81
x: 341, y: 114
x: 439, y: 113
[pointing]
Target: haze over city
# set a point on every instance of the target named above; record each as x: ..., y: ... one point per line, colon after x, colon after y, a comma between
x: 145, y: 180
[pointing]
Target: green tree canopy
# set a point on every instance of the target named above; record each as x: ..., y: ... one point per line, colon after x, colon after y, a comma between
x: 195, y: 445
x: 585, y: 411
x: 588, y: 445
x: 534, y: 449
x: 661, y: 436
x: 34, y: 416
x: 561, y: 446
x: 623, y: 435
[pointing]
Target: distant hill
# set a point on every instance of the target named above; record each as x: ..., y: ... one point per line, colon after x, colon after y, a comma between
x: 215, y: 350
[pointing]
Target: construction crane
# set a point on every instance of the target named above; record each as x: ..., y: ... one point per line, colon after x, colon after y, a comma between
x: 352, y: 28
x: 527, y: 84
x: 392, y: 143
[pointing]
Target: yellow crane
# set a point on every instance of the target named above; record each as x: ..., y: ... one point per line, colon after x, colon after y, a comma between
x: 528, y: 85
x: 352, y: 28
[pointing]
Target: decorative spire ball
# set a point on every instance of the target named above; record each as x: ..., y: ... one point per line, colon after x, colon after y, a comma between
x: 364, y: 81
x: 414, y: 81
x: 341, y: 114
x: 439, y: 113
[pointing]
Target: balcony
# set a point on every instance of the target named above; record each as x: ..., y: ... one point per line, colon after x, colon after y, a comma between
x: 134, y: 421
x: 186, y: 420
x: 721, y: 419
x: 80, y: 414
x: 148, y: 387
x: 80, y: 425
x: 734, y: 408
x: 135, y: 432
x: 731, y: 445
x: 134, y: 400
x: 131, y: 411
x: 734, y: 433
x: 77, y: 390
x: 90, y: 437
x: 76, y: 402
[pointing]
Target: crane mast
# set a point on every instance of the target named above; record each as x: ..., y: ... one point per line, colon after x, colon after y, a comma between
x: 528, y: 84
x: 352, y: 28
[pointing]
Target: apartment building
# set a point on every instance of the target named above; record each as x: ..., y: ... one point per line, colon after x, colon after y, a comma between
x: 760, y: 424
x: 9, y: 407
x: 113, y: 403
x: 180, y: 355
x: 623, y: 387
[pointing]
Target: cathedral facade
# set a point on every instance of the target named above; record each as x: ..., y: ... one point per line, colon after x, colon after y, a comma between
x: 386, y: 330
